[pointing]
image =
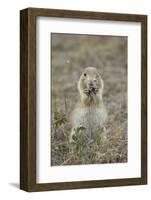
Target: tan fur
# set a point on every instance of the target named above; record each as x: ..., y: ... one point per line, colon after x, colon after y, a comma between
x: 90, y: 111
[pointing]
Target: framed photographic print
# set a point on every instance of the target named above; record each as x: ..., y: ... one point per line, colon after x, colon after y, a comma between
x: 83, y: 99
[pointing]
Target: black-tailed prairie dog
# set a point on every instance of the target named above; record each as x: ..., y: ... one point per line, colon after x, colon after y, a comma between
x: 90, y: 111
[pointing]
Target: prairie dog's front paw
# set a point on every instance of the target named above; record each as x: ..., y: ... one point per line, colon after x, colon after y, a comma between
x: 87, y: 92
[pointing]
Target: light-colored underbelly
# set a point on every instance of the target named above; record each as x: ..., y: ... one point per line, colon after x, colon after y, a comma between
x: 90, y: 118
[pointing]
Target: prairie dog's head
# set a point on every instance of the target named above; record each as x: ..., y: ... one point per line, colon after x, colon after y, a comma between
x: 90, y: 82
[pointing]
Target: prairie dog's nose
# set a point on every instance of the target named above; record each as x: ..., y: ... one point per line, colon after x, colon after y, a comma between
x: 91, y: 84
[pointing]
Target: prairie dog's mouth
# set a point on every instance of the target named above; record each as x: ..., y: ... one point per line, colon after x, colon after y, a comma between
x: 91, y: 91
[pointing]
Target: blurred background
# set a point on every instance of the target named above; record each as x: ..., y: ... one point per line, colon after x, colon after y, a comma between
x: 70, y: 54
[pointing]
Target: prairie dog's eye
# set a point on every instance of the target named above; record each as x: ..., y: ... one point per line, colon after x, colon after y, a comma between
x: 85, y: 74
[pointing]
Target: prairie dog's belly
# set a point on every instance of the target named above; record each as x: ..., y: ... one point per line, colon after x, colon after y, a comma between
x: 91, y: 118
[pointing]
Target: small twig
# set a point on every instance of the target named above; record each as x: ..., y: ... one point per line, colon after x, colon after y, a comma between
x: 66, y: 160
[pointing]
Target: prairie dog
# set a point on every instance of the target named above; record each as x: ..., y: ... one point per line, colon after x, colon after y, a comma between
x: 90, y: 111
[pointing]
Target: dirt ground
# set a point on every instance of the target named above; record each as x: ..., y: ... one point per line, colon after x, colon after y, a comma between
x: 70, y: 54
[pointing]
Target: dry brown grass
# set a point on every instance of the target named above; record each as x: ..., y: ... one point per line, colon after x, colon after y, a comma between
x: 70, y: 55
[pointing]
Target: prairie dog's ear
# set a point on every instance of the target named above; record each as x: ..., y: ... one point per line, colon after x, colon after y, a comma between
x: 98, y: 76
x: 99, y: 73
x: 102, y: 82
x: 81, y: 71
